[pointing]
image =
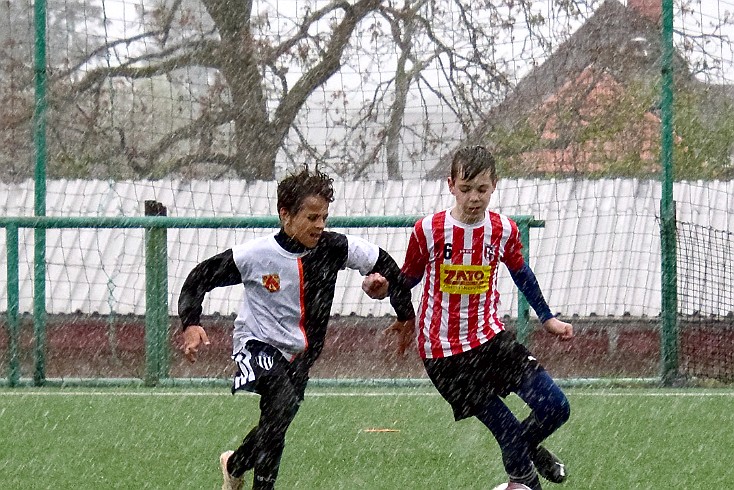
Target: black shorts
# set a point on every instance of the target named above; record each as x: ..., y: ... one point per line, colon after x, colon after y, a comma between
x: 467, y: 380
x: 261, y: 364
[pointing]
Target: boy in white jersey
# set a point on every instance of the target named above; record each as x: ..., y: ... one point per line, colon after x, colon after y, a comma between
x: 289, y: 282
x: 467, y: 354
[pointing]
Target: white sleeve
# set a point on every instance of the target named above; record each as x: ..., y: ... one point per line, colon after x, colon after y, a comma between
x: 240, y: 256
x: 361, y: 254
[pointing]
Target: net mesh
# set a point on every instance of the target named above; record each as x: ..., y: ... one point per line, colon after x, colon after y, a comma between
x: 706, y: 301
x: 160, y: 100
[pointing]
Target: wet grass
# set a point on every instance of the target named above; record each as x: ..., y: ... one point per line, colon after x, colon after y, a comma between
x: 155, y: 438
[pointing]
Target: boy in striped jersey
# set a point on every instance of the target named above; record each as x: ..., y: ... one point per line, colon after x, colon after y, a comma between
x: 467, y: 354
x: 289, y: 281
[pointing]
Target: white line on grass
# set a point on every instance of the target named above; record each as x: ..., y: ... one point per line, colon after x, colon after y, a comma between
x: 152, y: 393
x: 197, y: 393
x: 658, y: 394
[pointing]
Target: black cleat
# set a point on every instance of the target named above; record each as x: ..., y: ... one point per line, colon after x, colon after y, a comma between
x: 548, y: 465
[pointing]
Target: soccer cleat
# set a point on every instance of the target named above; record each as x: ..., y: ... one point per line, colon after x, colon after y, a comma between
x: 230, y: 482
x: 548, y: 465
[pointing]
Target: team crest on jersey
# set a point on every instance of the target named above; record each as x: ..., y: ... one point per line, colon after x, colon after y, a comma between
x: 271, y: 282
x: 488, y: 251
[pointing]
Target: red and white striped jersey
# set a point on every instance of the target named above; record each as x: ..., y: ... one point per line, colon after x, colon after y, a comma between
x: 458, y: 264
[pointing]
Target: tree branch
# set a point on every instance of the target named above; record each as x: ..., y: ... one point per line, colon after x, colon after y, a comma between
x: 330, y: 63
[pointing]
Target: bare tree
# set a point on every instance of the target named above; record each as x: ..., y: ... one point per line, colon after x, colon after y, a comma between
x: 220, y: 88
x: 445, y: 59
x: 256, y: 76
x: 243, y: 85
x: 246, y: 62
x: 17, y: 96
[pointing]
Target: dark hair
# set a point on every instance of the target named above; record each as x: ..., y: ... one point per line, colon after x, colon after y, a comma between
x: 471, y: 161
x: 296, y: 187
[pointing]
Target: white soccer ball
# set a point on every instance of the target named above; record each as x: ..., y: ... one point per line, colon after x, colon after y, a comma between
x: 511, y: 486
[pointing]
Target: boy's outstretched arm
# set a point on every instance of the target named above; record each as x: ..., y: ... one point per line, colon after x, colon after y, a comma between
x: 405, y: 332
x: 562, y: 329
x: 219, y: 270
x: 387, y: 271
x: 386, y: 279
x: 527, y: 283
x: 375, y: 285
x: 193, y: 337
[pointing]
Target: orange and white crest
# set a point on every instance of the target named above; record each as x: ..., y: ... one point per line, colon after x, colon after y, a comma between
x: 271, y: 282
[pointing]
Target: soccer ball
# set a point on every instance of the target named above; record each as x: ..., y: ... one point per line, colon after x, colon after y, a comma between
x: 511, y: 486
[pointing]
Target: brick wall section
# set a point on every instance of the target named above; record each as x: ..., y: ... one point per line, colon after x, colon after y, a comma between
x: 356, y: 348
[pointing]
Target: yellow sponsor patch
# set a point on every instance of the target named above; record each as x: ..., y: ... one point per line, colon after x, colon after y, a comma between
x: 465, y: 279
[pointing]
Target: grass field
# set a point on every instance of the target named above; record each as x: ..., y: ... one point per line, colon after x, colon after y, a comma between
x: 168, y: 438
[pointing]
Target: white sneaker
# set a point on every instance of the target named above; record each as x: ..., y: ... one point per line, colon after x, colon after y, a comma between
x: 230, y: 482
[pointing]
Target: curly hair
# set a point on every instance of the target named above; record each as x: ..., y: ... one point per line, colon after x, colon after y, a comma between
x: 470, y: 161
x: 293, y: 189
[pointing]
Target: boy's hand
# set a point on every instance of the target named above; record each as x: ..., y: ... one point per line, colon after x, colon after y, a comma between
x: 405, y: 332
x: 193, y: 336
x: 563, y: 330
x: 375, y: 285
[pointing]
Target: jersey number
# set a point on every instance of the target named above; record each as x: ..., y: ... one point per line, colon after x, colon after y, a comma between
x: 447, y: 251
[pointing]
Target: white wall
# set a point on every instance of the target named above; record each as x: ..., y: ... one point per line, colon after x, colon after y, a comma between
x: 599, y: 252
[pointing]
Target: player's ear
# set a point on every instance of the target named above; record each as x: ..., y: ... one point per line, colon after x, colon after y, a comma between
x: 283, y: 214
x: 451, y: 183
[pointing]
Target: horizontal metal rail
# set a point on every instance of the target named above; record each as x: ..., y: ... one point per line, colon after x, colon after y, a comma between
x: 218, y: 222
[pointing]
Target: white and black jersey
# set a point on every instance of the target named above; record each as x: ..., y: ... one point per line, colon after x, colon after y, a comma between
x: 288, y: 289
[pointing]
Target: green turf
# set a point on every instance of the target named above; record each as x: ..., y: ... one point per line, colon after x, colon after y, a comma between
x: 154, y: 438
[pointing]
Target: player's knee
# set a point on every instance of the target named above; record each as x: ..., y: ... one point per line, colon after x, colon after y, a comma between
x: 555, y: 412
x: 563, y: 411
x: 286, y: 404
x: 559, y: 411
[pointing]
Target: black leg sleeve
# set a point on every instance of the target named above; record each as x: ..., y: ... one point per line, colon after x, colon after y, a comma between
x: 243, y: 458
x: 263, y: 447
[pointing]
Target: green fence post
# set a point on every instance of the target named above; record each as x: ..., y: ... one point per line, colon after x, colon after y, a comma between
x: 11, y: 234
x: 39, y: 143
x: 669, y: 334
x: 161, y: 305
x: 669, y: 302
x: 523, y: 308
x: 156, y: 298
x: 151, y: 336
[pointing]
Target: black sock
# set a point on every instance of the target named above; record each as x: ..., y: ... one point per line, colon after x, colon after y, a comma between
x: 263, y: 482
x: 530, y: 480
x: 243, y: 458
x: 533, y: 450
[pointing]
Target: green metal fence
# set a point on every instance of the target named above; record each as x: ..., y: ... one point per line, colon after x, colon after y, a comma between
x: 156, y: 226
x: 157, y: 320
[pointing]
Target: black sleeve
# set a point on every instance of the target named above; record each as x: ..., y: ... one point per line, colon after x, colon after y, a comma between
x: 399, y: 291
x: 217, y: 271
x: 527, y: 283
